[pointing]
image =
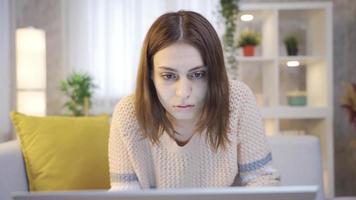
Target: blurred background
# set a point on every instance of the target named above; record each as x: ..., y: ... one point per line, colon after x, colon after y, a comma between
x: 46, y: 44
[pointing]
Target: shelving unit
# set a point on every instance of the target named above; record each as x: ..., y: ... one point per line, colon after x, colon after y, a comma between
x: 270, y: 79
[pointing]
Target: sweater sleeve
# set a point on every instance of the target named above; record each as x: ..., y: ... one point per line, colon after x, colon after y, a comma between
x: 122, y: 175
x: 254, y: 153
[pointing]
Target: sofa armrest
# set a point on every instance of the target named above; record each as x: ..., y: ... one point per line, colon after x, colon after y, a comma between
x: 298, y: 160
x: 12, y: 169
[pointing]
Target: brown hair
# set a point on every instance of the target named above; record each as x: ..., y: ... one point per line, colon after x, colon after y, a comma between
x: 194, y: 29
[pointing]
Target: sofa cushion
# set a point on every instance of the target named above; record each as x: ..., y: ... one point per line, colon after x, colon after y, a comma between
x: 64, y: 153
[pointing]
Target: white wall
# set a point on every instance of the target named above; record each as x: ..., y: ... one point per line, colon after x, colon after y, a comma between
x: 5, y: 70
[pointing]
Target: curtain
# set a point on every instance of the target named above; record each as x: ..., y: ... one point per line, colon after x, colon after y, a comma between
x: 5, y: 70
x: 104, y: 39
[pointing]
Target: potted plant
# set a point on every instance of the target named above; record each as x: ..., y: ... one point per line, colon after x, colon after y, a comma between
x: 248, y: 40
x: 79, y: 89
x: 291, y: 43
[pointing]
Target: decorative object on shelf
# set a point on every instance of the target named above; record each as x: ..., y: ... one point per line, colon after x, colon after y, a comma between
x: 349, y: 101
x: 297, y: 98
x: 79, y: 89
x: 229, y: 10
x: 291, y: 43
x: 248, y: 40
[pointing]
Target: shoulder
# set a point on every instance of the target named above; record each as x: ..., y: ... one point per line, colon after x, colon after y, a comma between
x: 124, y: 113
x: 126, y: 104
x: 240, y: 93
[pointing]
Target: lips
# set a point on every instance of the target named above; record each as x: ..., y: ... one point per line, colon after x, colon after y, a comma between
x: 184, y: 106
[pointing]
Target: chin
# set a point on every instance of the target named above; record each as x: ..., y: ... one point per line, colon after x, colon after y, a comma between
x: 184, y: 116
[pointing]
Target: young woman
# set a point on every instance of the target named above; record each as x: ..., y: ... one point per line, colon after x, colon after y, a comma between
x: 187, y: 125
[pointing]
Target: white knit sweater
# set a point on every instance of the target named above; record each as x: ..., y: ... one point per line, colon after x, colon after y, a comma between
x: 136, y: 163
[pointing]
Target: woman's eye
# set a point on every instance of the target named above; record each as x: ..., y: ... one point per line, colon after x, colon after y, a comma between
x: 197, y: 75
x: 169, y: 76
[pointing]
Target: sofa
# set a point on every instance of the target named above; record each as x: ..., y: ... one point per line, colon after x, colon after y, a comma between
x: 297, y: 159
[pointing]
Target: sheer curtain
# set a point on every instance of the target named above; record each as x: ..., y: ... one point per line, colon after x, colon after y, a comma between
x: 104, y: 39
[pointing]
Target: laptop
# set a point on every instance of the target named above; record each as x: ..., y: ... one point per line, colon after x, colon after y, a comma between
x: 230, y: 193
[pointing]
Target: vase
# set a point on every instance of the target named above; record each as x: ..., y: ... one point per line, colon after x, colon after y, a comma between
x: 297, y: 98
x: 86, y: 106
x: 292, y: 51
x: 249, y: 50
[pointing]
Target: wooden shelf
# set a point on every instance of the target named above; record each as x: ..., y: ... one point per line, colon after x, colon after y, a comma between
x: 271, y: 81
x: 254, y: 59
x: 301, y: 59
x: 287, y: 112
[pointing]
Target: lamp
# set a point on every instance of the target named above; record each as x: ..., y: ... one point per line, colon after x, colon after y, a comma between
x: 293, y: 63
x: 31, y: 71
x: 246, y: 17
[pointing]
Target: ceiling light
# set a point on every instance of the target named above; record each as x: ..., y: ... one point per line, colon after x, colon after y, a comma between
x: 246, y: 17
x: 293, y: 63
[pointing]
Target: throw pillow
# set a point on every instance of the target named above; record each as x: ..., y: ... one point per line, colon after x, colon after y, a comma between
x: 64, y: 153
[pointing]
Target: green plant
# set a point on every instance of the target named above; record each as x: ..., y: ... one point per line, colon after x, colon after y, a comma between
x: 229, y: 11
x: 291, y: 42
x: 249, y: 37
x: 79, y: 89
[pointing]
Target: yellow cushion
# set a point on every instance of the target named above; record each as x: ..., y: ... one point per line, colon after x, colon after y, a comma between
x: 64, y: 153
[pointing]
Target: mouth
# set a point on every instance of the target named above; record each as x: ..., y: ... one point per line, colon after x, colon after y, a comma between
x: 184, y: 106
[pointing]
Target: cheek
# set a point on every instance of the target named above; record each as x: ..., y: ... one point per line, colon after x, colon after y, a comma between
x: 163, y: 92
x: 201, y: 90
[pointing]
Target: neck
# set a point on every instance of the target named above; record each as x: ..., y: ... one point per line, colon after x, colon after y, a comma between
x: 185, y: 124
x: 184, y: 129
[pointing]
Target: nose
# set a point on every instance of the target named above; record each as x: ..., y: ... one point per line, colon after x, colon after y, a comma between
x: 183, y: 88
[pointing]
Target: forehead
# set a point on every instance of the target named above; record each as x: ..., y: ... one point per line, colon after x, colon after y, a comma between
x: 179, y: 55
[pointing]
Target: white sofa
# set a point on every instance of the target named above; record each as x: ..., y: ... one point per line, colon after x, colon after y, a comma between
x: 12, y: 170
x: 297, y: 159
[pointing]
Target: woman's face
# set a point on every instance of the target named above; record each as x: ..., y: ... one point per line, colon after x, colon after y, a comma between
x: 179, y: 76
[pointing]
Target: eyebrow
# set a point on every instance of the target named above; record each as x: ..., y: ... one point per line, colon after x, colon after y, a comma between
x: 174, y: 70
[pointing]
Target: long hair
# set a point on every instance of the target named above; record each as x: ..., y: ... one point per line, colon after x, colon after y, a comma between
x: 192, y: 28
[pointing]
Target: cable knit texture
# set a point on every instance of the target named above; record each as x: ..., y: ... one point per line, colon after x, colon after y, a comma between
x: 136, y: 163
